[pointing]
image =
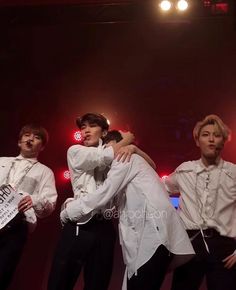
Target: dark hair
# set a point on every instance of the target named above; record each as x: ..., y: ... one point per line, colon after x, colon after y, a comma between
x: 93, y: 118
x: 113, y: 135
x: 37, y: 130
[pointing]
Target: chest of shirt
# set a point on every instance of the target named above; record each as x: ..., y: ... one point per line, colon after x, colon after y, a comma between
x: 213, y: 183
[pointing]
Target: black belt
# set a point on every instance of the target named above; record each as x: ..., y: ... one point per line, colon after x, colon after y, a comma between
x: 207, y: 233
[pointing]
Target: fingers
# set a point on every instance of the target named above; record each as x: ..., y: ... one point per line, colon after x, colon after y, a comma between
x: 229, y: 261
x: 125, y: 156
x: 25, y: 204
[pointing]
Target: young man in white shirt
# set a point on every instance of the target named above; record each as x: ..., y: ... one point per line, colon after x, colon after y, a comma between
x: 207, y: 207
x: 89, y: 243
x: 36, y: 183
x: 149, y: 227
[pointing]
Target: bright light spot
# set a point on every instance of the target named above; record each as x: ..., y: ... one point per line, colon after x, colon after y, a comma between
x: 207, y: 3
x: 182, y: 5
x: 66, y: 174
x: 77, y: 136
x: 108, y: 122
x: 165, y: 5
x: 164, y: 177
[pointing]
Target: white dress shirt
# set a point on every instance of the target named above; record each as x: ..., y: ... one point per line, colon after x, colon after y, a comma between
x: 147, y: 218
x: 207, y: 195
x: 30, y: 177
x: 87, y: 165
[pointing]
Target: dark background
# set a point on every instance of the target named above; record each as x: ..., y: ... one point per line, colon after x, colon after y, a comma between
x: 147, y: 73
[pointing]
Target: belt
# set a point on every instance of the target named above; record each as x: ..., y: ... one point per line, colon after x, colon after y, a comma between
x: 207, y: 233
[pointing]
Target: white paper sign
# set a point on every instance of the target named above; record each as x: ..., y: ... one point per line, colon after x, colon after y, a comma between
x: 9, y: 200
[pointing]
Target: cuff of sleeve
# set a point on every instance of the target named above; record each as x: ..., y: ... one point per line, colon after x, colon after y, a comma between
x: 72, y: 210
x: 63, y: 216
x: 34, y: 200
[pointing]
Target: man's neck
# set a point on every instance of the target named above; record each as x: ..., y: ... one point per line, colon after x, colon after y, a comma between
x: 207, y: 161
x: 28, y: 156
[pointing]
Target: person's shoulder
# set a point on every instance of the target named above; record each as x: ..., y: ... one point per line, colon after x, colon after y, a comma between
x: 138, y: 162
x: 229, y: 168
x: 228, y: 164
x: 135, y: 158
x: 6, y: 159
x: 187, y: 166
x: 121, y: 164
x: 75, y: 148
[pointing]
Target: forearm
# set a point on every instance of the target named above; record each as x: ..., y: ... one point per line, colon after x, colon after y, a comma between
x: 90, y: 202
x: 116, y: 181
x: 128, y: 138
x: 87, y: 158
x: 171, y: 184
x: 44, y: 198
x: 116, y: 147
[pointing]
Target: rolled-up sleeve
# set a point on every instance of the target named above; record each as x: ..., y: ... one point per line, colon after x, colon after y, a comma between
x: 171, y: 184
x: 87, y: 158
x: 44, y: 199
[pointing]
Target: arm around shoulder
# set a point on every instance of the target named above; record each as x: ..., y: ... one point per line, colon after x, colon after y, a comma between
x: 85, y: 158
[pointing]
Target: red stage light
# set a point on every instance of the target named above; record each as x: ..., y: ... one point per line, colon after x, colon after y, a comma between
x: 164, y: 176
x: 207, y: 3
x: 220, y: 8
x: 66, y: 174
x: 77, y: 136
x: 217, y: 7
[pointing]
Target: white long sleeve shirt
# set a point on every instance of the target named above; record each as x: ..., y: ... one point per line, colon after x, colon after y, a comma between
x: 147, y: 218
x: 207, y: 195
x: 87, y: 165
x: 30, y: 177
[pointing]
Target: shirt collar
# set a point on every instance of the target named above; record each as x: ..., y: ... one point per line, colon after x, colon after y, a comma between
x: 31, y: 160
x: 201, y: 167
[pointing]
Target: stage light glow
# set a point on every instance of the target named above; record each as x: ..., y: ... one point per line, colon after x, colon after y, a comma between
x: 164, y: 176
x: 165, y: 5
x: 66, y: 175
x: 182, y: 5
x: 220, y: 8
x: 77, y: 136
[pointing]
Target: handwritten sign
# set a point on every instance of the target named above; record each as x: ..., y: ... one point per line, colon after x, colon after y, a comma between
x: 9, y: 200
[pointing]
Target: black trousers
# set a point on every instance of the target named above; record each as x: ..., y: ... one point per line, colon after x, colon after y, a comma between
x: 151, y: 275
x: 190, y: 275
x: 92, y: 249
x: 12, y: 240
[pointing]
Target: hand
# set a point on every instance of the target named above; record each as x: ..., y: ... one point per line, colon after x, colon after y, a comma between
x: 25, y: 203
x: 230, y: 261
x: 64, y: 217
x: 128, y: 136
x: 124, y: 153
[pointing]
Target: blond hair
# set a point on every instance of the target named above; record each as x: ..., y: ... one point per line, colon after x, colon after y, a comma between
x: 212, y: 120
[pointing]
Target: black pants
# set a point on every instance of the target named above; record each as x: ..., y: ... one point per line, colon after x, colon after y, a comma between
x: 91, y: 249
x: 151, y: 275
x: 190, y: 275
x: 12, y: 240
